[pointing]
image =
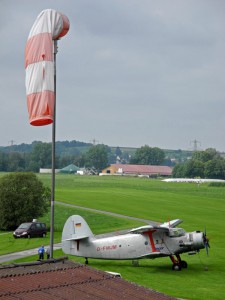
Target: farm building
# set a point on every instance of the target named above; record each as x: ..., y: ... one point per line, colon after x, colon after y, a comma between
x: 71, y: 169
x: 47, y: 171
x: 64, y: 279
x: 146, y: 170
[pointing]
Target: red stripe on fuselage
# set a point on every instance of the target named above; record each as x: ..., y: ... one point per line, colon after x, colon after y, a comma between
x: 150, y: 233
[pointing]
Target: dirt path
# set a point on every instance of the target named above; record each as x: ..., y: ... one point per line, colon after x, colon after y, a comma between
x: 109, y: 213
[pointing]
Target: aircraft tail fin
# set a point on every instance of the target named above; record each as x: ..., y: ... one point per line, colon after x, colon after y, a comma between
x: 76, y: 232
x: 76, y: 228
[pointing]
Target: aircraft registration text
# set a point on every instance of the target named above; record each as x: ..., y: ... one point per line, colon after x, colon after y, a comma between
x: 103, y: 248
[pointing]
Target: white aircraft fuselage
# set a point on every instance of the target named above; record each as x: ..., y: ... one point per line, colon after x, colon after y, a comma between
x: 142, y: 242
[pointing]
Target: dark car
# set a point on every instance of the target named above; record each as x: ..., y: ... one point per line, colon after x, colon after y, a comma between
x: 30, y: 229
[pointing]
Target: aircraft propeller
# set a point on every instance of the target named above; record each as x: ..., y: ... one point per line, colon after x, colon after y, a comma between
x: 206, y: 242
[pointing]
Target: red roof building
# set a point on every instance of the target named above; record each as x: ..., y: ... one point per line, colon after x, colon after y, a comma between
x: 64, y: 279
x: 148, y: 170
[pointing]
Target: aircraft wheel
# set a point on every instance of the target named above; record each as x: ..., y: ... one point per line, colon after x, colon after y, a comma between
x: 176, y: 267
x: 183, y: 264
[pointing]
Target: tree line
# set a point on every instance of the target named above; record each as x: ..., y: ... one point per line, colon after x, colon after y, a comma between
x: 30, y: 158
x: 23, y: 158
x: 203, y: 164
x: 94, y: 156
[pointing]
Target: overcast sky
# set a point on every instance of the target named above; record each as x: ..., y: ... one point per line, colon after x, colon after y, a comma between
x: 129, y: 73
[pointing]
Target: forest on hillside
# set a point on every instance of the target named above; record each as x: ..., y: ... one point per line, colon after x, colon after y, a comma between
x: 32, y: 157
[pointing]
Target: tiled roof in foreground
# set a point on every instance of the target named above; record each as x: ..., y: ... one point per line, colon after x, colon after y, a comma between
x: 64, y: 279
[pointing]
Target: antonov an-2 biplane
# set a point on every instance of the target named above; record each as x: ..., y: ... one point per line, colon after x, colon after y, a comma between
x: 143, y: 242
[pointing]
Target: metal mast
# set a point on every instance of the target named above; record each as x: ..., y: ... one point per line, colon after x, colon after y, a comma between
x: 55, y: 49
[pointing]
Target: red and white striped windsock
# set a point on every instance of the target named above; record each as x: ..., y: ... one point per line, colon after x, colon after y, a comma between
x: 50, y: 25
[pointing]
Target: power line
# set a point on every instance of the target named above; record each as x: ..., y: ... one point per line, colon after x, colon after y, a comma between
x: 11, y: 142
x: 94, y: 142
x: 195, y: 144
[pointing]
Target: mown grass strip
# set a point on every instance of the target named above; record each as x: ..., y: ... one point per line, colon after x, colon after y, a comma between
x: 198, y: 206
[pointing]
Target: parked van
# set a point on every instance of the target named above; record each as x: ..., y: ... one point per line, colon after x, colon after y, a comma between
x: 30, y: 229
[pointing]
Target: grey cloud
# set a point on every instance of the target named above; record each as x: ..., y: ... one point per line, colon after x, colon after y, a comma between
x: 129, y: 73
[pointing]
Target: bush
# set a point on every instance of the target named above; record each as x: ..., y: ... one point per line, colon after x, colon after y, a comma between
x: 23, y: 197
x: 217, y: 184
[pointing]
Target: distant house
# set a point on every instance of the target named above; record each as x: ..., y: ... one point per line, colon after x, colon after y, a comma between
x: 145, y: 170
x: 48, y: 171
x: 71, y: 169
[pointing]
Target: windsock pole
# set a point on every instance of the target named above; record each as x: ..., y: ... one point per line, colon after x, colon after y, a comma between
x: 40, y: 65
x: 53, y: 159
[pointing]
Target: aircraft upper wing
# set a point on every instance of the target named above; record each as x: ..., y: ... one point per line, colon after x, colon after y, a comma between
x: 148, y: 228
x: 163, y: 227
x: 171, y: 224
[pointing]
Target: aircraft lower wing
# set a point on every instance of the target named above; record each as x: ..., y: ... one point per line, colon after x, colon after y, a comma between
x: 152, y: 255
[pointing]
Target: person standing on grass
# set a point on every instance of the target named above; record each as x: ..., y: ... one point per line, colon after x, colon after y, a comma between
x: 41, y: 252
x: 48, y: 253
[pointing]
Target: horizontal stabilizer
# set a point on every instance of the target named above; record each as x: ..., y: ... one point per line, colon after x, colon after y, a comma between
x: 75, y: 238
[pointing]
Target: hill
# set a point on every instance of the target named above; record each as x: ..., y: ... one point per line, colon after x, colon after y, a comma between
x: 66, y: 148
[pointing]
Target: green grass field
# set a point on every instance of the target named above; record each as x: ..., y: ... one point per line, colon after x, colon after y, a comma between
x: 197, y: 206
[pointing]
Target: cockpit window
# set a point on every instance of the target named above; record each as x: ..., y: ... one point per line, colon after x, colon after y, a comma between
x: 176, y: 232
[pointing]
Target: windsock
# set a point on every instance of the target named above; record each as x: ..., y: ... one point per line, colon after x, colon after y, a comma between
x: 50, y: 25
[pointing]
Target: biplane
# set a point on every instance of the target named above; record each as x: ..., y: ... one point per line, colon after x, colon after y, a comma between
x: 147, y: 241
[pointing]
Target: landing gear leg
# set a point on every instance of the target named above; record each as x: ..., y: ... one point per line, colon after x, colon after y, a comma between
x: 182, y: 263
x: 178, y: 264
x: 86, y: 261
